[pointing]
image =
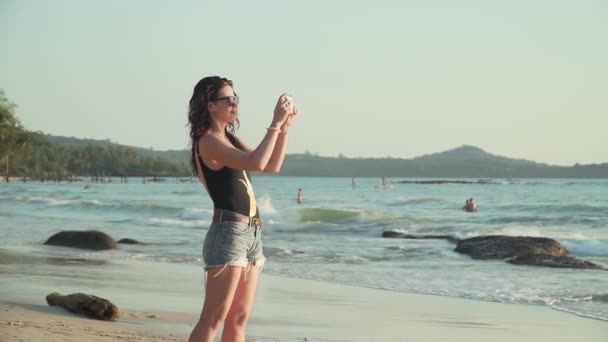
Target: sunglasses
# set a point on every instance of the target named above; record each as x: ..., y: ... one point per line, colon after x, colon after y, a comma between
x: 232, y: 100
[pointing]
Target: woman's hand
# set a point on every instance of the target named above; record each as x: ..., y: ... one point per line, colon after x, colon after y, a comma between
x: 283, y: 109
x: 289, y: 120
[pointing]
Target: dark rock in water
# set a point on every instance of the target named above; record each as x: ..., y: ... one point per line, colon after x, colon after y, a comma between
x: 391, y: 234
x: 128, y: 241
x: 553, y: 261
x: 517, y: 250
x: 88, y: 305
x: 89, y: 239
x: 502, y: 247
x: 522, y: 250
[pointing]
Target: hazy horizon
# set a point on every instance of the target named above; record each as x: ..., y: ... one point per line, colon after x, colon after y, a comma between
x: 376, y: 79
x: 360, y: 157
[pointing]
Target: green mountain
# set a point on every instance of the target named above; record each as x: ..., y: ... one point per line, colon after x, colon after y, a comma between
x: 174, y: 156
x: 461, y: 162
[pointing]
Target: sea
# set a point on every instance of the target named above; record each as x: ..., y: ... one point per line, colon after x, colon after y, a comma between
x: 335, y: 235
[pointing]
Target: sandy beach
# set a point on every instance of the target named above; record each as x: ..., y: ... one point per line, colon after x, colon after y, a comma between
x: 288, y: 309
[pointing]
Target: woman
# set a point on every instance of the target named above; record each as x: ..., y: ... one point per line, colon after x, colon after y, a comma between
x: 232, y: 250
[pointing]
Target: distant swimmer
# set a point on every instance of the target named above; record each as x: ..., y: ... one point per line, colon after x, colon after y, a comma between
x: 384, y: 181
x: 354, y: 183
x: 300, y: 199
x: 470, y: 206
x: 88, y: 187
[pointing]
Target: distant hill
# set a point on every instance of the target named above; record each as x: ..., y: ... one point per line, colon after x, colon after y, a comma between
x: 174, y: 156
x: 461, y: 162
x: 470, y: 153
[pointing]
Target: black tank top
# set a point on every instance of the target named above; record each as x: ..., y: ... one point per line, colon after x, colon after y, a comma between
x: 230, y: 189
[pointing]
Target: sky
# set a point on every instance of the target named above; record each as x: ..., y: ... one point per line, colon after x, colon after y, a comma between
x: 522, y: 79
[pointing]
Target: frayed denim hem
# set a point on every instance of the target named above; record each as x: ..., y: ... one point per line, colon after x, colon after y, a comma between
x: 242, y: 262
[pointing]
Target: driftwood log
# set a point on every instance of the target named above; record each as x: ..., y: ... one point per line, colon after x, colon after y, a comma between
x: 88, y: 305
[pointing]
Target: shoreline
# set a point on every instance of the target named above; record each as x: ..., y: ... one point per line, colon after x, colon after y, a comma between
x: 410, y: 292
x: 419, y: 180
x: 290, y: 309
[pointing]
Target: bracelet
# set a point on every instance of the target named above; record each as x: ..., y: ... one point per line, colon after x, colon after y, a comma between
x: 273, y: 129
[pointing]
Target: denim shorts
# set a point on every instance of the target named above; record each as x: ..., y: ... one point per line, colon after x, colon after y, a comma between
x: 233, y: 244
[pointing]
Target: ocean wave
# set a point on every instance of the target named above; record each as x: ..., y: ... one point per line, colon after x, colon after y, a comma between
x: 92, y: 203
x: 143, y: 207
x: 326, y: 215
x: 321, y: 256
x: 193, y: 214
x: 337, y: 258
x: 327, y: 221
x: 170, y: 222
x: 536, y: 231
x: 355, y: 259
x: 418, y: 220
x: 131, y: 206
x: 578, y: 312
x: 398, y: 248
x: 587, y: 247
x: 598, y: 298
x: 559, y: 220
x: 53, y: 202
x: 185, y: 192
x: 511, y: 230
x: 168, y: 258
x: 29, y: 259
x: 123, y: 220
x: 305, y: 227
x: 280, y: 252
x: 555, y: 208
x: 265, y: 205
x: 414, y: 201
x: 518, y: 219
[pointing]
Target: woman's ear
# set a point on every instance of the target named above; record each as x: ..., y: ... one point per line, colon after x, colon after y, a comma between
x: 210, y: 106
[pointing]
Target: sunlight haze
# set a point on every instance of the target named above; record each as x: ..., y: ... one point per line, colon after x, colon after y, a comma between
x: 372, y: 79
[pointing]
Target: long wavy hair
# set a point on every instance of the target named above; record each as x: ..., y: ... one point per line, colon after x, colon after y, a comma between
x: 199, y: 118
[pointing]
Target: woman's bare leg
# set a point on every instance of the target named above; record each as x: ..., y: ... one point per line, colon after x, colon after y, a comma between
x: 220, y: 290
x: 236, y: 320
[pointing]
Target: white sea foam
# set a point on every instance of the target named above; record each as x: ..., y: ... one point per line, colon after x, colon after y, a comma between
x: 355, y: 259
x: 265, y: 206
x: 277, y: 251
x: 169, y: 222
x: 50, y: 201
x: 197, y: 214
x: 522, y: 231
x: 94, y: 202
x: 587, y: 247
